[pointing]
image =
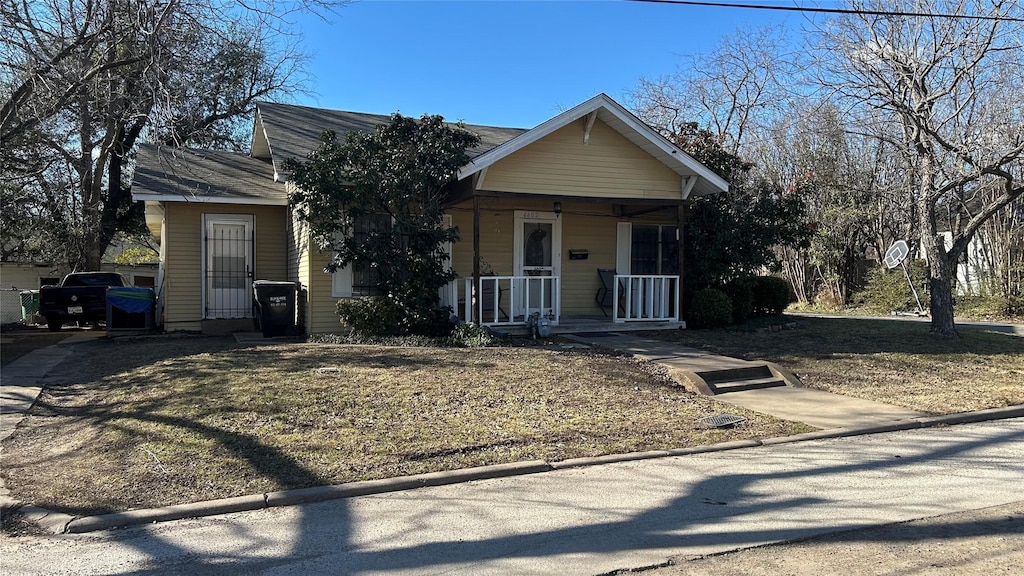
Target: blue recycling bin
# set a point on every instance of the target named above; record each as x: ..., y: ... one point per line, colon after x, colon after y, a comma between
x: 130, y: 308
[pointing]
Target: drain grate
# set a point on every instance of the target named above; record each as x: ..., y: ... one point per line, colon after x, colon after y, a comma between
x: 722, y: 421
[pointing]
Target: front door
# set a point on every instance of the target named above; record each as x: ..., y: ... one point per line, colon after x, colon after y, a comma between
x: 229, y: 266
x: 537, y: 253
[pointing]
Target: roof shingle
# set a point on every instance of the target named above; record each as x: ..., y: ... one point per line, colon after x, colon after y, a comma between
x: 198, y: 175
x: 294, y: 131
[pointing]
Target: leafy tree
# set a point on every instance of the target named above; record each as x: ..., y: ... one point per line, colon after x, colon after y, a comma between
x: 733, y: 234
x: 399, y: 171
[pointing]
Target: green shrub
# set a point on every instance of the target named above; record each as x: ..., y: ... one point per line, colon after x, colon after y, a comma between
x: 374, y: 316
x: 984, y: 307
x: 431, y: 322
x: 472, y: 336
x: 771, y: 295
x: 1013, y: 306
x: 381, y: 316
x: 887, y: 290
x: 741, y: 292
x: 710, y: 308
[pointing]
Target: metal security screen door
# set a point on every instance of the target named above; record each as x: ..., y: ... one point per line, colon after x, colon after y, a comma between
x: 538, y: 239
x: 229, y: 266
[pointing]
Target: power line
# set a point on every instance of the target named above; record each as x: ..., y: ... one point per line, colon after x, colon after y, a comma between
x: 832, y: 10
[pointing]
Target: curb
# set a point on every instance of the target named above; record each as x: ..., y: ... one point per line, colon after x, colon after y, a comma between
x: 62, y: 523
x: 58, y: 523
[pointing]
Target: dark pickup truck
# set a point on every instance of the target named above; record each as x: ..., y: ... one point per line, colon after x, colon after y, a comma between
x: 80, y: 297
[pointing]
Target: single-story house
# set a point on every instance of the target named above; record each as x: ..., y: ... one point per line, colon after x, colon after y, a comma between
x: 540, y: 211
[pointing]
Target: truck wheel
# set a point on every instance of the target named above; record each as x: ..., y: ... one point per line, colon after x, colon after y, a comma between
x: 54, y: 324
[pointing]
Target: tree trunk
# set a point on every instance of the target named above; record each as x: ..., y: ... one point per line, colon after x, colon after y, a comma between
x: 939, y: 276
x: 940, y: 284
x: 942, y: 302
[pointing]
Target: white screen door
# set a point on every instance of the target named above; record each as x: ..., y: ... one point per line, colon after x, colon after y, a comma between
x: 229, y: 266
x: 538, y: 247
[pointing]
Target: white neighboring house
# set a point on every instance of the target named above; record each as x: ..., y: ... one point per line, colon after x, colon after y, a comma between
x: 973, y: 268
x: 16, y: 277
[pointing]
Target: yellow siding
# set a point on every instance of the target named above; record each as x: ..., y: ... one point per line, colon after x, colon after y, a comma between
x: 585, y: 226
x: 609, y: 166
x: 303, y: 269
x: 323, y: 315
x: 183, y: 265
x: 580, y: 281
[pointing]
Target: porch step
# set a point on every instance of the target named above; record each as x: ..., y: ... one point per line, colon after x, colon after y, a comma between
x: 750, y: 384
x: 739, y: 379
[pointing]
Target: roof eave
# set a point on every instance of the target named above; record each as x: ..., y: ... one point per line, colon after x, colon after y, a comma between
x: 206, y: 199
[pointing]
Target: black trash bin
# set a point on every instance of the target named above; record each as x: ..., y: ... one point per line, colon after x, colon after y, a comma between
x: 275, y: 307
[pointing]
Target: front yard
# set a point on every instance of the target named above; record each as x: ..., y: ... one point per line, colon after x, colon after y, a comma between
x: 896, y: 362
x: 169, y: 420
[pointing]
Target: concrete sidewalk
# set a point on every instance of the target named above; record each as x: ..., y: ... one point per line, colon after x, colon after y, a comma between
x: 814, y: 407
x: 585, y: 521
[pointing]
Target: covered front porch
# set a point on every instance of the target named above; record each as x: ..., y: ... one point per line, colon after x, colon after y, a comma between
x: 584, y: 262
x: 577, y: 221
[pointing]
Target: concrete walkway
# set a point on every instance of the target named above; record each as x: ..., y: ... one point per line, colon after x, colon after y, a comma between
x: 814, y: 407
x: 21, y: 381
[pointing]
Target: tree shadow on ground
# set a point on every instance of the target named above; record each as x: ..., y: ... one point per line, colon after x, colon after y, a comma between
x: 708, y: 512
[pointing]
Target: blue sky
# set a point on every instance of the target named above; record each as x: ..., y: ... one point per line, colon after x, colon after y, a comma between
x: 504, y: 63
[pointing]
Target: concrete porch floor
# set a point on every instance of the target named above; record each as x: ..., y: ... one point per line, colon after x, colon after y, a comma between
x: 591, y: 325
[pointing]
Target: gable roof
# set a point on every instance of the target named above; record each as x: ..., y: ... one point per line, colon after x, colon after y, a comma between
x: 185, y: 175
x: 703, y: 181
x: 283, y: 131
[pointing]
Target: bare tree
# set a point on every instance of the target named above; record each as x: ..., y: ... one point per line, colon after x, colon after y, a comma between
x: 82, y: 81
x: 743, y: 83
x: 944, y: 82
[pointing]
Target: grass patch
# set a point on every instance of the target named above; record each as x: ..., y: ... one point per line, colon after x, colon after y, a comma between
x: 164, y: 421
x: 968, y: 309
x: 893, y: 362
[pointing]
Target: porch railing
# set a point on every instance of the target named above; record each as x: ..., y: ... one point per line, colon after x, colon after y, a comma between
x: 507, y: 300
x: 645, y: 298
x: 449, y: 294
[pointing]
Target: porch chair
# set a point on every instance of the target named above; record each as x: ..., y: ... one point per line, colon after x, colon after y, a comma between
x: 487, y: 293
x: 605, y: 293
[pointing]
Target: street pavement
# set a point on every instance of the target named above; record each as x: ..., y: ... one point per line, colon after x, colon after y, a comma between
x: 590, y: 520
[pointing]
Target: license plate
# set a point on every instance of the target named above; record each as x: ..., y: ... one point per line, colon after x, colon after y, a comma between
x: 74, y: 309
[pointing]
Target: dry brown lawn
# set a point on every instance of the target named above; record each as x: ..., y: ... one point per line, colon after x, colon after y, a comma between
x: 896, y: 362
x: 166, y: 420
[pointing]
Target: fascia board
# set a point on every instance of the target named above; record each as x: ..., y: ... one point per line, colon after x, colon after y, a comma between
x: 144, y: 197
